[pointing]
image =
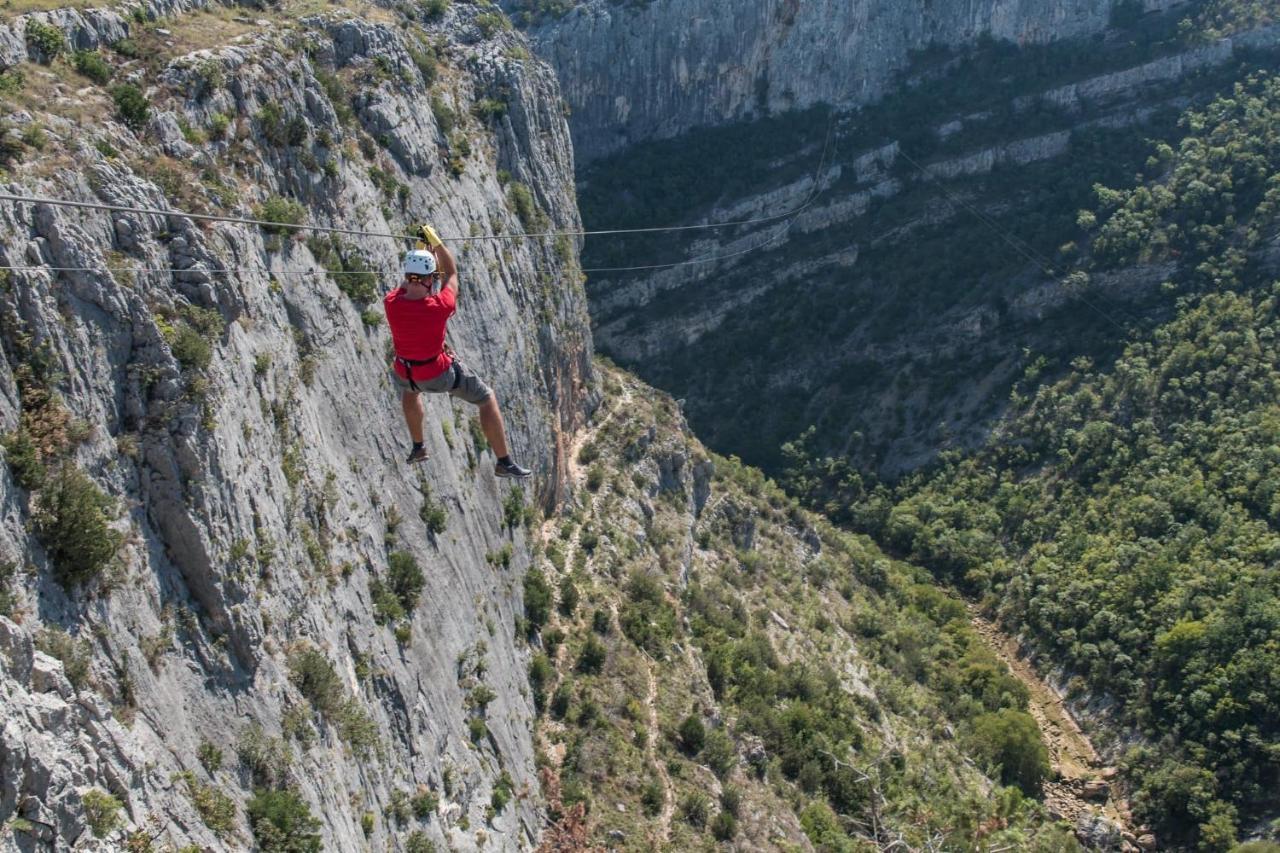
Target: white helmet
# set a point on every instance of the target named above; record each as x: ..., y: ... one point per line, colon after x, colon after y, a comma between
x: 419, y: 262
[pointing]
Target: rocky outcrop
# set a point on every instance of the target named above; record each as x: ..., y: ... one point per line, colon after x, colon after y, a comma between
x: 639, y: 71
x: 231, y: 388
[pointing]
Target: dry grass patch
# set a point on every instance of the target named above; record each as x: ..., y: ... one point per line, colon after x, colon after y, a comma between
x: 10, y: 9
x: 208, y: 28
x: 59, y: 91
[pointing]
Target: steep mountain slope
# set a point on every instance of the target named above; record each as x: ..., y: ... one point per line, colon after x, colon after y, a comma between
x: 637, y: 72
x: 1123, y: 519
x: 924, y: 268
x: 717, y: 663
x: 229, y: 610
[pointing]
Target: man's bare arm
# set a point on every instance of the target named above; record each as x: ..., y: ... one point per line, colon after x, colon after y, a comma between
x: 447, y: 266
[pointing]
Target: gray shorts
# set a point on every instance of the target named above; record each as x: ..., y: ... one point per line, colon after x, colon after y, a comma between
x: 457, y: 380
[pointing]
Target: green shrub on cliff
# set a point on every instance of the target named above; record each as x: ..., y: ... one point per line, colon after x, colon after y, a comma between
x: 47, y: 41
x: 282, y: 822
x: 132, y: 106
x: 72, y: 519
x: 1009, y: 742
x: 91, y: 64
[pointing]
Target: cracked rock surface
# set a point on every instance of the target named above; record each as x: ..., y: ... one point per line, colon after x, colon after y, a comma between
x: 259, y: 487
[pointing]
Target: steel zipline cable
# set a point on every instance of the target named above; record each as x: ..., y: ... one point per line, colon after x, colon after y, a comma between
x: 355, y: 232
x: 788, y: 217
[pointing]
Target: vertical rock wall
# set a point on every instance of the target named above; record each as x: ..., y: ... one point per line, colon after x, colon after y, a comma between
x: 639, y: 71
x: 260, y: 492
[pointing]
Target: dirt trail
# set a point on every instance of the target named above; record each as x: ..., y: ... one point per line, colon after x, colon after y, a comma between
x: 549, y: 532
x: 663, y: 834
x: 1082, y: 784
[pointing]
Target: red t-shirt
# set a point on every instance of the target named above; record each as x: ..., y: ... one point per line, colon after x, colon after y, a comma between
x: 417, y: 330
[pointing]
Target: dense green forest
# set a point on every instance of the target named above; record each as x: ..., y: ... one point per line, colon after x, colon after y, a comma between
x: 792, y: 667
x: 876, y: 352
x: 1125, y: 517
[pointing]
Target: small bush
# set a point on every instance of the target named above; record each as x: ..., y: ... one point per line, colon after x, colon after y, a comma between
x: 75, y: 655
x: 1010, y: 741
x: 446, y: 118
x: 11, y: 81
x: 7, y: 599
x: 424, y: 803
x: 217, y: 810
x: 724, y: 826
x: 428, y: 64
x: 652, y: 797
x: 514, y: 510
x: 349, y: 267
x: 491, y: 23
x: 695, y: 808
x: 338, y: 96
x: 647, y: 619
x: 540, y: 674
x: 295, y: 724
x: 418, y: 842
x: 24, y: 459
x: 357, y: 728
x: 101, y: 812
x: 593, y: 656
x: 210, y: 757
x: 433, y: 513
x: 693, y: 735
x: 719, y: 752
x: 477, y: 729
x: 71, y: 521
x: 91, y: 64
x: 502, y: 791
x: 280, y: 128
x: 537, y: 598
x: 386, y: 606
x: 315, y: 678
x: 487, y: 109
x: 405, y: 580
x: 731, y: 800
x: 433, y: 9
x: 561, y: 700
x: 266, y: 758
x: 218, y: 124
x: 191, y: 350
x: 132, y: 106
x: 46, y: 40
x: 526, y: 208
x: 568, y: 596
x: 282, y: 822
x: 595, y: 478
x: 278, y: 213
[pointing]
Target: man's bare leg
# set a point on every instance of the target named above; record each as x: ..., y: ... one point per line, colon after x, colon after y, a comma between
x: 414, y: 414
x: 492, y: 427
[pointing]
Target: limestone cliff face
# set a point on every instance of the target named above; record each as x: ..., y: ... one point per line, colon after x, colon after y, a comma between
x: 639, y: 71
x: 259, y: 485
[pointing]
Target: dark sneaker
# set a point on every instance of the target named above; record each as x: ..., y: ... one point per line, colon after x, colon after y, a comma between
x: 510, y: 469
x: 418, y: 454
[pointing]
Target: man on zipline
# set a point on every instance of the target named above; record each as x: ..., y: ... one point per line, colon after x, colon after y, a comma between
x: 417, y: 312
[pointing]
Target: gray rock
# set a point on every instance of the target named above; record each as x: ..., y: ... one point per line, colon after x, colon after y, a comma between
x: 257, y: 493
x: 18, y: 651
x: 47, y: 676
x: 1098, y: 833
x: 642, y: 71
